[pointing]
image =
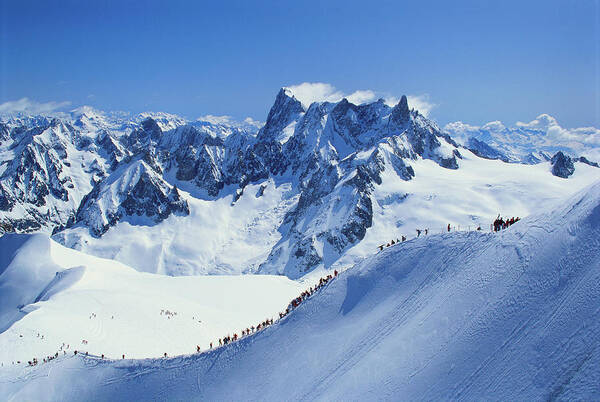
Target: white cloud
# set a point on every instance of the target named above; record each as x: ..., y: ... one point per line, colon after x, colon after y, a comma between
x: 309, y: 92
x: 254, y: 123
x: 248, y: 122
x: 28, y: 106
x: 575, y: 137
x: 217, y: 119
x: 359, y: 97
x: 421, y: 103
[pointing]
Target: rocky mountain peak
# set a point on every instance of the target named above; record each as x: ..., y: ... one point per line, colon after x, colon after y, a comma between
x: 401, y: 112
x: 562, y: 165
x: 284, y: 111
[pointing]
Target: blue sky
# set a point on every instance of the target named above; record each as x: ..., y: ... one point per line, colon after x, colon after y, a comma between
x: 476, y: 61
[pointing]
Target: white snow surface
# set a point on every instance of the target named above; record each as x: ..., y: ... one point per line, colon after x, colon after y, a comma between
x: 218, y: 237
x: 67, y: 297
x: 459, y: 316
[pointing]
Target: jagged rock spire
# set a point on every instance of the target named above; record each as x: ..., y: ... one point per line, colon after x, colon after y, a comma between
x: 401, y: 112
x: 285, y: 110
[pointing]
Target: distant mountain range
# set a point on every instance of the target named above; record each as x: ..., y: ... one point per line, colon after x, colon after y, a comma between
x: 83, y: 173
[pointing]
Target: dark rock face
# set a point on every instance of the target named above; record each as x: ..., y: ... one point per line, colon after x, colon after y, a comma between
x: 285, y: 110
x: 583, y: 159
x: 562, y: 165
x: 483, y: 150
x: 113, y: 200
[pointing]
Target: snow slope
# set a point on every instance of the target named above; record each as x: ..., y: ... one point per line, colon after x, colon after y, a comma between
x: 67, y: 297
x: 461, y: 315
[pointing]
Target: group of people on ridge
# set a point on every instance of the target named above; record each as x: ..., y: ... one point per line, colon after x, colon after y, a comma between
x: 269, y: 321
x: 500, y: 223
x: 391, y: 243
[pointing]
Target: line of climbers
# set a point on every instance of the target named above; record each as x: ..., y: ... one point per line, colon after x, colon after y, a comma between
x: 500, y: 224
x: 227, y: 339
x: 391, y: 243
x: 269, y: 321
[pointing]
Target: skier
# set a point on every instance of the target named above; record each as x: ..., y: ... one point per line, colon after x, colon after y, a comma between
x: 448, y: 227
x: 418, y: 232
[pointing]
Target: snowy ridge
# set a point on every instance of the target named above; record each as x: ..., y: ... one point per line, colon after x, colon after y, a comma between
x: 500, y: 316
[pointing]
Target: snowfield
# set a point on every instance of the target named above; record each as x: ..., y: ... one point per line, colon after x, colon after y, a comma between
x: 460, y: 315
x: 226, y: 237
x: 52, y: 297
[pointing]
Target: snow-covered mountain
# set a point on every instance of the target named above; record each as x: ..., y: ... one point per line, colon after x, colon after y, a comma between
x: 532, y: 142
x: 315, y: 187
x: 462, y: 315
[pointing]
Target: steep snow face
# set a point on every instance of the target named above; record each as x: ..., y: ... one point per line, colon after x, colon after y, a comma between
x: 475, y: 316
x: 51, y: 295
x: 530, y: 142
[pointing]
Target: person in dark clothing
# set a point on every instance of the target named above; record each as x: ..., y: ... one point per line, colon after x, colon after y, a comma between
x: 448, y: 227
x: 418, y: 232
